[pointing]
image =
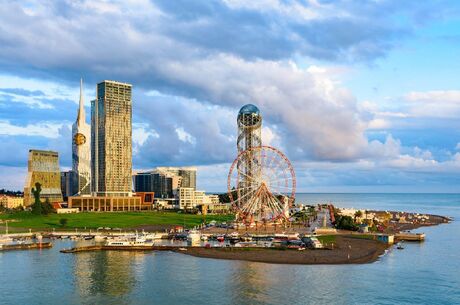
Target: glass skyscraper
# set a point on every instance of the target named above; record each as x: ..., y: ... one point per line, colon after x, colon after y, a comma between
x: 111, y: 139
x: 165, y: 181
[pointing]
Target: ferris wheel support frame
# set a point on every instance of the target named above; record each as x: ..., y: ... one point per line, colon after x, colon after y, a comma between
x: 271, y: 200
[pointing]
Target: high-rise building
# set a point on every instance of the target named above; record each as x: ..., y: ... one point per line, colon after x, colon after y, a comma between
x: 69, y: 184
x: 81, y: 152
x: 111, y: 139
x: 187, y: 175
x: 165, y: 181
x: 160, y: 184
x: 143, y: 182
x: 43, y: 167
x: 163, y: 185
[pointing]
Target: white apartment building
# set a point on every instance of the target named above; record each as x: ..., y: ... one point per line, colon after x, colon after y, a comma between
x: 189, y: 198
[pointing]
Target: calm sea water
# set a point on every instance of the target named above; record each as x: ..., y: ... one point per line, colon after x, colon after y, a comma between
x: 426, y: 273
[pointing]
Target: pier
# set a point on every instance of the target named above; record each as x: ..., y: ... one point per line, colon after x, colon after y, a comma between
x: 120, y: 248
x: 28, y: 246
x: 407, y: 236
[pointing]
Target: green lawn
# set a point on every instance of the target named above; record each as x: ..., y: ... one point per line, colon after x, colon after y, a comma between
x: 326, y: 239
x: 362, y: 236
x: 26, y: 220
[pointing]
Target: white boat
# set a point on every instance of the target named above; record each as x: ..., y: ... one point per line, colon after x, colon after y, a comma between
x: 129, y: 241
x: 204, y: 237
x: 154, y: 236
x: 193, y: 237
x: 234, y: 235
x: 243, y: 244
x: 5, y: 240
x: 99, y: 238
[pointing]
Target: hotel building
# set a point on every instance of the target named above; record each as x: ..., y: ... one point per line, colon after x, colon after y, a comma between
x: 111, y: 139
x: 111, y: 154
x: 43, y: 167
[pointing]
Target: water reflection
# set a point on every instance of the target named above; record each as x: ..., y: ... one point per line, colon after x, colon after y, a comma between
x: 113, y: 273
x: 420, y: 274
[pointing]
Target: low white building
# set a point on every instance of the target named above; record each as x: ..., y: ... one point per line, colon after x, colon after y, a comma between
x: 67, y: 211
x: 190, y: 199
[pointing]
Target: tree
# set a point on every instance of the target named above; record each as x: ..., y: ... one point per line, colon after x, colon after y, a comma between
x: 225, y: 198
x: 358, y: 214
x: 39, y: 208
x: 37, y: 205
x: 345, y: 223
x: 47, y: 207
x: 63, y: 222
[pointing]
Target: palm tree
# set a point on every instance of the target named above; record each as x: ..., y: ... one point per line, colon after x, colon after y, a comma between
x: 358, y: 214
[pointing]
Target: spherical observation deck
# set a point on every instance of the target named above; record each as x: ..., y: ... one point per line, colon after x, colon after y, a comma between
x: 249, y: 116
x: 249, y: 109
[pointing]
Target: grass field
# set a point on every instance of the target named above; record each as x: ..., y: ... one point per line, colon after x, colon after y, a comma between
x: 26, y: 220
x: 362, y: 236
x: 326, y: 239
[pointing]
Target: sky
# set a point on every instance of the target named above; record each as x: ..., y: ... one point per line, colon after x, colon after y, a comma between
x: 361, y: 96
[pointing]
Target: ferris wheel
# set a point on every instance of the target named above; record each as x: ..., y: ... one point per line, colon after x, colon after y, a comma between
x: 261, y: 185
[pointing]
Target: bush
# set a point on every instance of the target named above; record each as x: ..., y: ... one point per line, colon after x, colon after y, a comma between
x: 63, y: 222
x: 345, y: 223
x: 47, y: 207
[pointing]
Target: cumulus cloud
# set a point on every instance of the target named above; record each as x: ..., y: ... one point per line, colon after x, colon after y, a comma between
x: 42, y: 129
x: 441, y: 104
x: 189, y: 132
x: 193, y: 64
x: 213, y: 52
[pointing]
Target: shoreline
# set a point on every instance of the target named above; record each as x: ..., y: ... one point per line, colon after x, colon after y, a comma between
x: 348, y: 250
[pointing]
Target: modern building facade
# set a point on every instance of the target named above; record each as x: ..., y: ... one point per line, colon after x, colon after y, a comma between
x: 81, y: 152
x: 111, y: 139
x: 160, y: 184
x: 187, y: 175
x: 165, y: 181
x: 143, y: 201
x: 69, y: 183
x: 43, y: 167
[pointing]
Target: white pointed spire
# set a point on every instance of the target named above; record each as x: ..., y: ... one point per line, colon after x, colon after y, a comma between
x: 81, y: 109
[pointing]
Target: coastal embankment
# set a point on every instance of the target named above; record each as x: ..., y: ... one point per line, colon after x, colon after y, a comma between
x: 346, y: 250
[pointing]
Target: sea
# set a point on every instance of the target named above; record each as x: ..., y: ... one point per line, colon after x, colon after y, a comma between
x: 422, y: 273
